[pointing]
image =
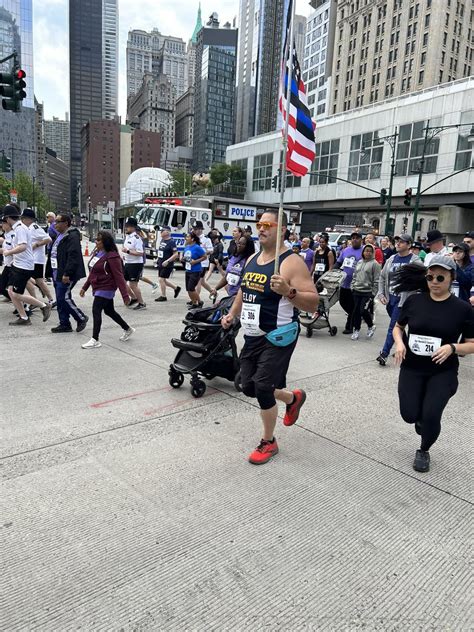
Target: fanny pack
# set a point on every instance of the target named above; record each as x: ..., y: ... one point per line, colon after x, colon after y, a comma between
x: 284, y: 335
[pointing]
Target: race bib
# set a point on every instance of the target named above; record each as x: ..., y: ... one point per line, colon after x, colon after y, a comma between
x: 455, y: 289
x: 160, y: 254
x: 54, y: 264
x: 303, y: 255
x: 92, y: 262
x: 233, y: 279
x: 319, y: 267
x: 188, y: 265
x: 423, y: 345
x: 349, y: 262
x: 250, y: 319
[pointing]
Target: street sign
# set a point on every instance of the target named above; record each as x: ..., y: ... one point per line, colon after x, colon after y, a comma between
x: 13, y: 195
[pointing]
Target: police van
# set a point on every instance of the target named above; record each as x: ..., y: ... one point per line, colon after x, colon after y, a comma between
x: 180, y: 214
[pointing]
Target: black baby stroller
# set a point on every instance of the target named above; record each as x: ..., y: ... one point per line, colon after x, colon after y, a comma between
x: 328, y: 286
x: 205, y: 348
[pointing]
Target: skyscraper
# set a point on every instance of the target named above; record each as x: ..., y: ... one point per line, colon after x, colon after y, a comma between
x: 191, y: 51
x: 93, y: 71
x: 57, y: 137
x: 383, y: 50
x: 17, y: 129
x: 260, y: 25
x: 214, y: 103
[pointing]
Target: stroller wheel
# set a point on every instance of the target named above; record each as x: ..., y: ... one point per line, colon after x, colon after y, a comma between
x: 309, y: 332
x: 238, y: 383
x: 333, y: 331
x: 198, y: 388
x: 176, y: 379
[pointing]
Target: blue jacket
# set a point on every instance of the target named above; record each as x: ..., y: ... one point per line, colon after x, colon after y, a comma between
x: 465, y: 278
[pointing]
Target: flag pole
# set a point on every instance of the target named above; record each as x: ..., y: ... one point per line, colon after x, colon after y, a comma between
x: 285, y: 137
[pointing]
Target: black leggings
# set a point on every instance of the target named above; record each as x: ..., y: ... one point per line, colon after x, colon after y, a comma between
x: 105, y: 305
x: 346, y: 300
x: 362, y: 310
x: 423, y: 399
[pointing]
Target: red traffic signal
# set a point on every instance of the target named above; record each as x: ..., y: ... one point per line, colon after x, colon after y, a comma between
x: 20, y: 73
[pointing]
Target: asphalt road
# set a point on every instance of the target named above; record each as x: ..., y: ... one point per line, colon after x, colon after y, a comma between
x: 127, y: 505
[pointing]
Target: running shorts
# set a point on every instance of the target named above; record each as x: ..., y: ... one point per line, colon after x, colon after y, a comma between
x: 133, y: 271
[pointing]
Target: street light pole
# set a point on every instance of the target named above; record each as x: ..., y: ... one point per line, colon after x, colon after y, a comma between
x: 392, y: 140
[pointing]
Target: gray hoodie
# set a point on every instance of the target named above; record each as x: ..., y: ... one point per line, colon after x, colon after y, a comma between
x: 384, y: 281
x: 366, y: 274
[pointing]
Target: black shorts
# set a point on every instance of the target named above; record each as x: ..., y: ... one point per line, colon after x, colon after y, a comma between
x: 18, y: 279
x: 203, y: 273
x: 192, y: 280
x: 164, y: 272
x: 5, y: 280
x: 264, y: 363
x: 38, y: 272
x: 133, y: 271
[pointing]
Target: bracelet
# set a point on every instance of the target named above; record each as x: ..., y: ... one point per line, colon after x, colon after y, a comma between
x: 453, y: 348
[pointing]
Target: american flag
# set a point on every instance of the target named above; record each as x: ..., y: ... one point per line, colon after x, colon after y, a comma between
x: 301, y: 142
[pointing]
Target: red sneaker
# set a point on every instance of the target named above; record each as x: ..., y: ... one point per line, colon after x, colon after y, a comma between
x: 293, y: 410
x: 264, y: 452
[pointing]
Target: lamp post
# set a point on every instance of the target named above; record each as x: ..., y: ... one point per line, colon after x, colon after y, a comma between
x: 430, y: 133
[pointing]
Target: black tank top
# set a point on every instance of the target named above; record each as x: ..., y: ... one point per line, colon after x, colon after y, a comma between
x: 320, y: 260
x: 263, y: 310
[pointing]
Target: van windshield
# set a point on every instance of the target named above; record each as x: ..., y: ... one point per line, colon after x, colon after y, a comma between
x: 152, y: 216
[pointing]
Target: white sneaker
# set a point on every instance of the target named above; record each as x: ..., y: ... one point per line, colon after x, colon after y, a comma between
x: 155, y: 288
x: 126, y: 334
x: 355, y: 335
x: 371, y: 331
x: 92, y: 344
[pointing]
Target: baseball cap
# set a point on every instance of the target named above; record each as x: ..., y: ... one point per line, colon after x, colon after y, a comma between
x: 417, y: 244
x: 470, y: 234
x: 168, y: 228
x: 462, y: 246
x: 199, y: 225
x: 131, y: 221
x: 29, y: 212
x: 356, y: 234
x: 443, y: 262
x: 10, y: 210
x: 406, y: 238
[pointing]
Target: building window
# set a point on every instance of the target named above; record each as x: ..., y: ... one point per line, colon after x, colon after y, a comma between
x: 365, y: 161
x: 410, y: 149
x: 432, y: 225
x: 262, y: 172
x: 326, y: 162
x: 241, y: 178
x: 464, y: 149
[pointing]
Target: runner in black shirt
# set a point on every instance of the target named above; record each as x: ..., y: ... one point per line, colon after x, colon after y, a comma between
x: 436, y: 321
x: 167, y: 255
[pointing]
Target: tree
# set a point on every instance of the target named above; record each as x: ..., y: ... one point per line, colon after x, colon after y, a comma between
x: 222, y: 173
x: 25, y: 193
x: 181, y: 181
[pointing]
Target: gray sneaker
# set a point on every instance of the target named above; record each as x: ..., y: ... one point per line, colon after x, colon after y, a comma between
x: 46, y: 311
x: 139, y: 307
x: 126, y: 334
x: 20, y: 322
x: 422, y: 461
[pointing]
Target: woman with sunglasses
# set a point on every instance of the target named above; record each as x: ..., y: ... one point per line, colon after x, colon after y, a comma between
x: 106, y: 276
x: 428, y: 352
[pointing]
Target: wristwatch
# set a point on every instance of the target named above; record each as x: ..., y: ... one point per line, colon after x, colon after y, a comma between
x: 292, y: 293
x: 453, y: 348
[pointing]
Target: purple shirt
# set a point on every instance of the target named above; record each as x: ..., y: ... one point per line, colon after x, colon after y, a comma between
x: 233, y: 274
x: 54, y: 255
x: 349, y: 258
x: 308, y: 257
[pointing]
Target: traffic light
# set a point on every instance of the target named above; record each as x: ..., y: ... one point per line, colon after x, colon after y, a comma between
x: 275, y: 183
x: 407, y: 199
x: 5, y: 164
x: 12, y: 87
x: 383, y: 197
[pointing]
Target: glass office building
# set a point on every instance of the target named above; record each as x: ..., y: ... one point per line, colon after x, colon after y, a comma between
x: 214, y: 106
x: 17, y: 129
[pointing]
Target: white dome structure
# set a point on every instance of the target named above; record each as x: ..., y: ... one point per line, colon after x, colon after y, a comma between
x: 144, y: 181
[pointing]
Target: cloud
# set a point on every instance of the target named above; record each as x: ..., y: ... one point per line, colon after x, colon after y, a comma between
x: 51, y: 43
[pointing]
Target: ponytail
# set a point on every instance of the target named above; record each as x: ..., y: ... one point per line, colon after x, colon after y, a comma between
x: 410, y: 278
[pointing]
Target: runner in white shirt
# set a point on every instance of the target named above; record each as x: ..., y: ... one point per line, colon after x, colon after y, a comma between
x: 133, y: 257
x: 206, y: 243
x: 6, y: 244
x: 22, y: 268
x: 435, y: 240
x: 39, y: 240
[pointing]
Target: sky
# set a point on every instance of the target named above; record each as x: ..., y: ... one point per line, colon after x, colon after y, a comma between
x: 51, y: 50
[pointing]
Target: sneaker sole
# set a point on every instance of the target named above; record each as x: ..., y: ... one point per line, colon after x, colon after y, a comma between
x: 303, y: 399
x: 264, y: 462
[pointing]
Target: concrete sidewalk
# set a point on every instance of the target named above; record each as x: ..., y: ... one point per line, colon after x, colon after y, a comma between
x: 127, y: 505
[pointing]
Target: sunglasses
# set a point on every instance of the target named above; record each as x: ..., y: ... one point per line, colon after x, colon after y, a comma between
x: 439, y: 277
x: 266, y: 225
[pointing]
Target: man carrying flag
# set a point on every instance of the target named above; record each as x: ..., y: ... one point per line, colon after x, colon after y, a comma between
x: 275, y: 284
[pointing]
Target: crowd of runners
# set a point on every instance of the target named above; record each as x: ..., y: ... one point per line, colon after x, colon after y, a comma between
x: 427, y: 289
